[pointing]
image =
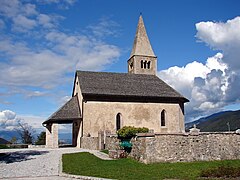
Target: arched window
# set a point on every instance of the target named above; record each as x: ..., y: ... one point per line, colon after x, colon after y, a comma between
x: 148, y: 64
x: 145, y: 64
x: 118, y: 121
x: 163, y: 118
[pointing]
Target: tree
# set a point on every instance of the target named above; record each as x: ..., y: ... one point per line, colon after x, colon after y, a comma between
x: 26, y: 132
x: 13, y: 140
x: 41, y: 139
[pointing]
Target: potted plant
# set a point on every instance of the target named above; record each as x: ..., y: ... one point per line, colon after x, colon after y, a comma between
x: 126, y: 133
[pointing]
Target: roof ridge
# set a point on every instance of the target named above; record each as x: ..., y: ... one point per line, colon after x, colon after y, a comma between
x: 125, y: 84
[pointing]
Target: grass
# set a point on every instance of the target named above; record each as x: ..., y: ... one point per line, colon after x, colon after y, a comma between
x: 3, y: 146
x: 105, y: 151
x: 87, y: 164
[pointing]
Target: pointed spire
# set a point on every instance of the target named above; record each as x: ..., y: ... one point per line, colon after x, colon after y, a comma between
x: 141, y: 45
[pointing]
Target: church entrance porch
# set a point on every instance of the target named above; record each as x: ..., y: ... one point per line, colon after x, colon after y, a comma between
x: 52, y: 134
x: 69, y: 113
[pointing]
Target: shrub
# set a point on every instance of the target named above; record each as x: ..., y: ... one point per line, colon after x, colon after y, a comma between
x: 127, y: 132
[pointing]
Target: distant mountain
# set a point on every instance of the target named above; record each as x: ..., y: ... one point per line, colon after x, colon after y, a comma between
x: 65, y: 138
x: 4, y: 141
x: 8, y: 135
x: 217, y: 122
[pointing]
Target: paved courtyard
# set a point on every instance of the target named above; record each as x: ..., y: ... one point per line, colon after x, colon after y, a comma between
x: 35, y: 163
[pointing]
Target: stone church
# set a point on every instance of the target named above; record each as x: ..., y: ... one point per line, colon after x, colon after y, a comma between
x: 105, y: 102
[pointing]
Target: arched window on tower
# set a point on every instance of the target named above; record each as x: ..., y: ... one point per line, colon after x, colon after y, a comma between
x: 118, y: 121
x: 145, y: 64
x: 148, y: 64
x: 163, y: 118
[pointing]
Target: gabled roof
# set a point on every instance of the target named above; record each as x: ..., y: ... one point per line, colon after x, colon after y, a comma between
x: 141, y: 45
x: 137, y: 87
x: 69, y: 112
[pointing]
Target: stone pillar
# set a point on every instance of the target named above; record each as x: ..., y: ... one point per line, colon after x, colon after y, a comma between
x: 52, y: 135
x: 100, y: 140
x: 76, y: 133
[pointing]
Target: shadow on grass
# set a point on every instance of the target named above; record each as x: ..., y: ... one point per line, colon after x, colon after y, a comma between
x: 19, y: 156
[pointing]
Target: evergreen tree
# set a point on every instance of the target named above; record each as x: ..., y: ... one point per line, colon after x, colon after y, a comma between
x: 41, y: 139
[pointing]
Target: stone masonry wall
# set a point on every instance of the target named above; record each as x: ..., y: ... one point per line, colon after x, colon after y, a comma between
x: 112, y: 143
x: 186, y: 147
x: 90, y: 143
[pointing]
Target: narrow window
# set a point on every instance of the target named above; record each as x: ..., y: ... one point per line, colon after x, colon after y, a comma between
x: 118, y: 121
x: 148, y: 64
x: 145, y: 64
x: 131, y: 65
x: 163, y: 118
x: 142, y: 64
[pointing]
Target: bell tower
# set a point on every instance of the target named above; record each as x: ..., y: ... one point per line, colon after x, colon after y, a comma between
x: 142, y: 59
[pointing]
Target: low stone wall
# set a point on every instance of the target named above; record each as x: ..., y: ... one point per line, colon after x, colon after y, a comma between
x: 112, y: 143
x: 186, y: 147
x: 36, y: 146
x: 90, y: 143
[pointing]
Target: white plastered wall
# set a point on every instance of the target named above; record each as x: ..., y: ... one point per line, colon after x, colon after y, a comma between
x: 102, y: 116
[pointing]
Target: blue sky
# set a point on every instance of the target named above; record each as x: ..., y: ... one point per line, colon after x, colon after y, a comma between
x: 43, y: 42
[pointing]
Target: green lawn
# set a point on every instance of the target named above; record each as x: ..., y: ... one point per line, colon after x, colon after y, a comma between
x: 105, y: 151
x: 87, y: 164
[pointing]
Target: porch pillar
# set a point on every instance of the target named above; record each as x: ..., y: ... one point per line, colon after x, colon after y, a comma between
x: 52, y: 135
x: 76, y: 133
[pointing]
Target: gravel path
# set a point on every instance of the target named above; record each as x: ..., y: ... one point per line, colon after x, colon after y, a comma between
x: 27, y: 163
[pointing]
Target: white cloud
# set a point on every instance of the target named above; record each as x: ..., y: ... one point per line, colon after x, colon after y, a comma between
x: 222, y: 36
x: 203, y: 84
x: 27, y: 67
x: 47, y: 68
x: 215, y: 84
x: 64, y: 99
x: 29, y: 9
x: 9, y: 8
x: 104, y: 27
x: 34, y: 121
x: 22, y: 23
x: 13, y: 8
x: 35, y: 94
x: 8, y: 120
x: 25, y: 17
x: 54, y: 55
x: 61, y: 4
x: 45, y: 21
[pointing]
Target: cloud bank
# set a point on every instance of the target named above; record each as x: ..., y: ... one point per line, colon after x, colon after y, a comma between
x: 214, y: 84
x: 57, y: 53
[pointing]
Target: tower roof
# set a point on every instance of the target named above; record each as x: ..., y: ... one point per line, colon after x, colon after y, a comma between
x: 141, y: 45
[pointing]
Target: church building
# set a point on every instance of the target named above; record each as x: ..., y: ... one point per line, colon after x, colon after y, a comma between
x: 106, y: 102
